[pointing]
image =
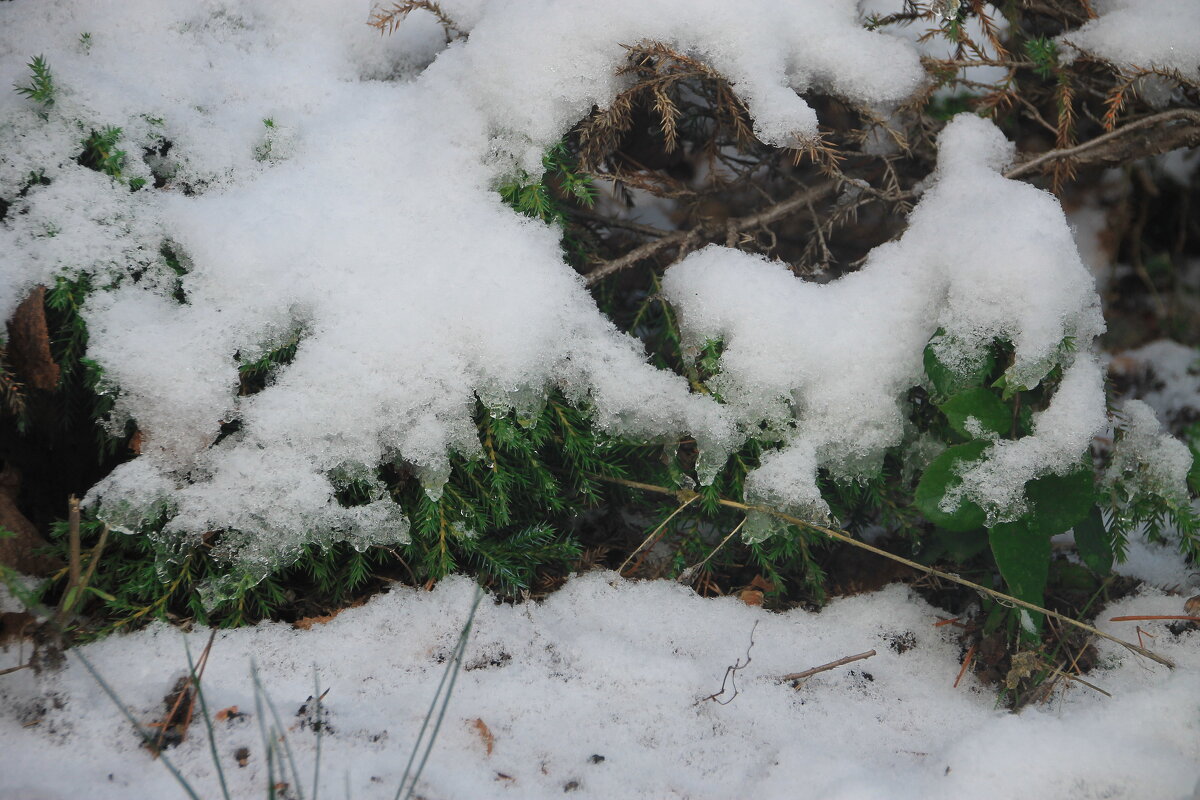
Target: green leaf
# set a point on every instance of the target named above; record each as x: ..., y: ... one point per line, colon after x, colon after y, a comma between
x: 1022, y: 553
x: 72, y: 596
x: 1061, y: 501
x: 941, y: 476
x: 947, y: 381
x: 101, y: 594
x: 981, y: 404
x: 961, y: 546
x: 1093, y: 543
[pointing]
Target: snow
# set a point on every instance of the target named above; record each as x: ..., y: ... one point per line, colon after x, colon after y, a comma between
x: 617, y: 669
x: 1148, y: 457
x: 940, y: 46
x: 1143, y: 33
x: 1171, y: 372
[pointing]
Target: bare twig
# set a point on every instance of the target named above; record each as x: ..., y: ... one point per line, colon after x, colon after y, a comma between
x: 688, y: 574
x: 187, y: 694
x: 73, y: 541
x: 1060, y: 673
x: 842, y: 536
x: 841, y: 662
x: 688, y: 240
x: 93, y: 559
x: 967, y: 659
x: 70, y: 597
x: 731, y: 674
x: 1122, y: 144
x: 656, y: 532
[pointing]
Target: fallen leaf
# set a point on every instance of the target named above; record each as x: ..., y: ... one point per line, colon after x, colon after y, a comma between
x: 228, y: 713
x: 762, y: 584
x: 489, y: 741
x: 304, y: 623
x: 751, y: 597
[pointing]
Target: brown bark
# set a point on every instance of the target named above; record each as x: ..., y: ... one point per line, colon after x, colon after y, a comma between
x: 29, y: 343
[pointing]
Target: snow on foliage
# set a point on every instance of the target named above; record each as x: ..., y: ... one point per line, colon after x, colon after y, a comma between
x: 828, y: 366
x: 361, y: 216
x: 1144, y: 33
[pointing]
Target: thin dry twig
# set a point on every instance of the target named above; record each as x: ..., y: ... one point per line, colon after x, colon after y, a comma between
x: 967, y: 659
x: 841, y: 662
x: 688, y: 574
x: 656, y: 533
x: 187, y: 693
x: 731, y: 675
x: 1125, y: 143
x: 688, y: 240
x: 842, y: 536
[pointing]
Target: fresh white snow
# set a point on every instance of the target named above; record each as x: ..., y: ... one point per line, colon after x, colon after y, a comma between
x: 617, y: 669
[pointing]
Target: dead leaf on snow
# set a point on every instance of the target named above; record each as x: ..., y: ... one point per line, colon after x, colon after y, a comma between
x: 489, y: 741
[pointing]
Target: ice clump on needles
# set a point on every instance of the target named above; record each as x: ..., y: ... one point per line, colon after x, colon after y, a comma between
x: 380, y: 240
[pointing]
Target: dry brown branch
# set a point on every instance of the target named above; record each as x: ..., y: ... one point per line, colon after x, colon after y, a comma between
x: 1058, y: 672
x: 182, y: 701
x: 808, y: 673
x: 846, y: 538
x: 685, y: 241
x: 1134, y: 140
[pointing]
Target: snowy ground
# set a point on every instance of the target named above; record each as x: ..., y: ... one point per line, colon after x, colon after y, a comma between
x: 613, y: 669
